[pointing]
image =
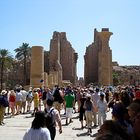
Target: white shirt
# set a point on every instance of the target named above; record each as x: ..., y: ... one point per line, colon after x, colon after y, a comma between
x: 95, y: 98
x: 56, y: 114
x: 18, y: 96
x: 24, y: 95
x: 102, y: 106
x: 37, y: 134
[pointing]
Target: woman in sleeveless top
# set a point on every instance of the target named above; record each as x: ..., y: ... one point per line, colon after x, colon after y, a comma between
x: 88, y: 106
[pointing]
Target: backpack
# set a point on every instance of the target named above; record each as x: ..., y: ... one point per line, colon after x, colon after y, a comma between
x: 49, y: 118
x: 29, y: 96
x: 57, y: 96
x: 4, y: 101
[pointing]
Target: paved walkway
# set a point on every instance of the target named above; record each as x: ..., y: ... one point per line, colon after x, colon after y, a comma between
x: 15, y: 128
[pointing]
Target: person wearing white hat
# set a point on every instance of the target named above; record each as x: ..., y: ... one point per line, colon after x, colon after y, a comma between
x: 95, y: 99
x: 102, y: 109
x: 88, y: 106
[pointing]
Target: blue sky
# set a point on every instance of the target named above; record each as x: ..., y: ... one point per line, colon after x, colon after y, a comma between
x: 34, y: 21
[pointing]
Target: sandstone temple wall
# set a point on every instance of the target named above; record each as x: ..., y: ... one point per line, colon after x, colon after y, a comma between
x: 62, y: 52
x: 37, y: 66
x: 56, y: 65
x: 98, y: 59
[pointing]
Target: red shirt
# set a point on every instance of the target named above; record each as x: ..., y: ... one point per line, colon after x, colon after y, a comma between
x: 40, y: 95
x: 12, y: 98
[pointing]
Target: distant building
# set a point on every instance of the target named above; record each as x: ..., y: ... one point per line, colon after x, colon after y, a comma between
x: 80, y: 81
x: 126, y: 75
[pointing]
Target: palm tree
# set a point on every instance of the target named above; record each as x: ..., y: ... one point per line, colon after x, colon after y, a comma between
x: 5, y: 60
x: 23, y: 53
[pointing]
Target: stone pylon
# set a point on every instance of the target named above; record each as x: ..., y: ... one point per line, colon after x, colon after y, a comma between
x: 98, y: 59
x: 63, y: 58
x: 54, y: 58
x: 37, y: 66
x: 105, y: 58
x: 68, y: 59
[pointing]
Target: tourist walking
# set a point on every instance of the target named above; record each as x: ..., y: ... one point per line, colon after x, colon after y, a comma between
x: 12, y: 101
x: 112, y: 130
x: 24, y: 95
x: 29, y: 99
x: 51, y: 125
x: 88, y: 106
x: 69, y: 101
x: 58, y: 99
x: 38, y: 130
x: 35, y: 100
x: 82, y: 116
x: 3, y: 104
x: 134, y: 113
x: 102, y: 109
x: 49, y: 94
x: 44, y: 97
x: 18, y: 101
x: 95, y: 98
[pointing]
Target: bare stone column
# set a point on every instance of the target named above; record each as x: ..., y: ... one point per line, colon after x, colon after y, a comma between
x: 37, y: 66
x: 55, y: 57
x: 105, y: 58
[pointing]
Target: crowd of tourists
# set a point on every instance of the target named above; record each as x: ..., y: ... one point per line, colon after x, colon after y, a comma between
x: 92, y: 103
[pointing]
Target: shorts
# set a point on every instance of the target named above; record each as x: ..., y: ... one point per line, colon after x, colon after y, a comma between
x: 29, y: 103
x: 18, y: 103
x: 69, y: 112
x: 23, y: 104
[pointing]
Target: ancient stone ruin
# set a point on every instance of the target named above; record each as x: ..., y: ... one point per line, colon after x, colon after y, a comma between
x: 55, y: 67
x: 98, y: 59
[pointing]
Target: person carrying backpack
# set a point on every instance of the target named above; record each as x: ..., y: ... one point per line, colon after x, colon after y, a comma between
x: 3, y: 104
x: 52, y: 117
x: 58, y: 99
x: 29, y: 99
